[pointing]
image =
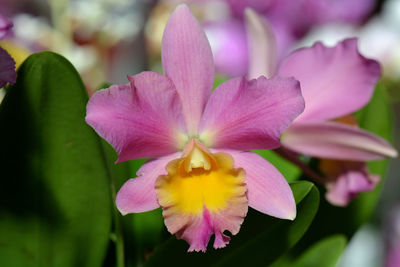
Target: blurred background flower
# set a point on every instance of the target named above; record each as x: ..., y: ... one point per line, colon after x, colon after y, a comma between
x: 224, y: 23
x: 100, y: 38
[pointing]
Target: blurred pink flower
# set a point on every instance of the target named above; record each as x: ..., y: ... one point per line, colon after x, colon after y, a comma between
x: 335, y: 82
x: 5, y: 27
x: 392, y: 236
x: 290, y: 20
x: 345, y: 179
x: 7, y: 63
x: 301, y: 15
x: 229, y: 46
x: 201, y: 174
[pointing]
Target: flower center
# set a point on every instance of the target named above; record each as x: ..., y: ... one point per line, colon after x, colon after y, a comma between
x: 202, y: 194
x: 200, y: 180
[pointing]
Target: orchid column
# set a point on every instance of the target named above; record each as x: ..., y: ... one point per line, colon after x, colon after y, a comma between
x: 200, y: 173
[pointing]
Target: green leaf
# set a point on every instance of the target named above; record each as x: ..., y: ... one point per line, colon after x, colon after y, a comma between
x: 261, y: 240
x: 290, y: 171
x: 55, y: 187
x: 324, y: 253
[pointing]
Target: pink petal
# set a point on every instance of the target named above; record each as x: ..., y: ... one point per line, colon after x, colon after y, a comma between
x: 238, y: 6
x: 353, y: 179
x: 188, y: 61
x: 198, y: 229
x: 252, y: 114
x: 138, y: 194
x: 336, y: 141
x: 139, y: 120
x: 267, y: 190
x: 263, y: 49
x: 7, y: 68
x: 335, y: 81
x: 229, y: 47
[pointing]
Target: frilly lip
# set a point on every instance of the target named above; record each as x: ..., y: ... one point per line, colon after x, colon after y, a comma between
x: 205, y: 199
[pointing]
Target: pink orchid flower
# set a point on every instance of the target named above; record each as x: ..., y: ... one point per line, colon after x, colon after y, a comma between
x: 290, y: 19
x: 201, y: 173
x: 7, y: 63
x: 335, y: 82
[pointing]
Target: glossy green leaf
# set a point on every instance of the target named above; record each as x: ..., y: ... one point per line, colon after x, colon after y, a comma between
x: 55, y: 187
x: 325, y: 253
x: 261, y: 240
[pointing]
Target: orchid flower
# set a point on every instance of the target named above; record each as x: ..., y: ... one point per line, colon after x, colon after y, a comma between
x: 201, y: 172
x: 7, y: 63
x: 291, y: 21
x: 335, y: 82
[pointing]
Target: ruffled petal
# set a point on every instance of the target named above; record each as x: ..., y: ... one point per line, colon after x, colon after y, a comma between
x: 138, y: 194
x: 7, y: 68
x: 263, y: 50
x: 188, y: 61
x: 140, y: 120
x: 335, y: 81
x: 267, y: 190
x: 350, y: 179
x: 336, y: 141
x: 200, y: 201
x: 198, y: 229
x: 252, y: 114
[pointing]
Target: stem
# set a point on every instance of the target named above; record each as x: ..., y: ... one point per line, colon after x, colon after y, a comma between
x: 118, y: 231
x: 304, y: 167
x: 119, y: 242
